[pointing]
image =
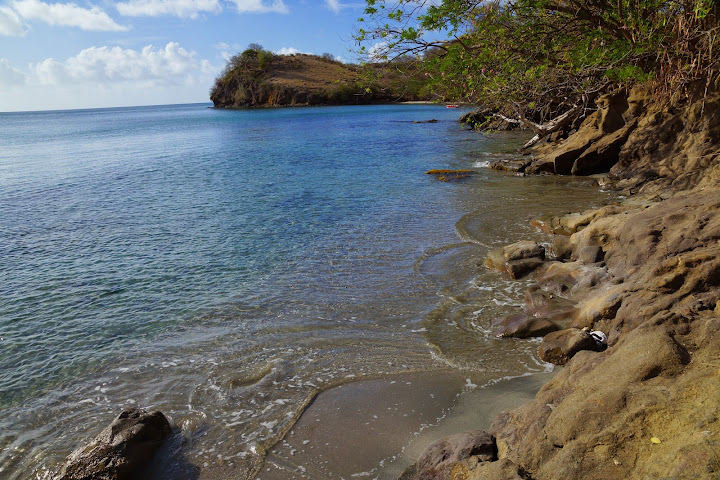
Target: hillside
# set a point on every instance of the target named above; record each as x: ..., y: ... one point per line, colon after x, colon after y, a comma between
x: 258, y: 78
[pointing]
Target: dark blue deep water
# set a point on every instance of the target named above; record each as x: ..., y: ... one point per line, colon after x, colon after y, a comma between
x: 226, y: 266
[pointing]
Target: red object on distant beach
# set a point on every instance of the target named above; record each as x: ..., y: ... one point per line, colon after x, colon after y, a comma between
x: 451, y: 106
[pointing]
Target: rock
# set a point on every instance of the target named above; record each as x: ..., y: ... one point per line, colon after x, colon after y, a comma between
x: 539, y: 302
x: 602, y: 306
x: 595, y: 418
x: 516, y: 166
x: 570, y: 277
x: 561, y: 158
x: 611, y: 108
x: 445, y: 175
x: 543, y: 313
x: 519, y: 268
x: 559, y: 347
x: 656, y: 296
x: 486, y: 119
x: 603, y: 154
x: 432, y: 120
x: 517, y: 259
x: 562, y: 247
x: 596, y: 145
x: 550, y: 224
x: 439, y: 458
x: 669, y: 143
x: 590, y: 254
x: 471, y: 469
x: 522, y: 325
x: 121, y: 450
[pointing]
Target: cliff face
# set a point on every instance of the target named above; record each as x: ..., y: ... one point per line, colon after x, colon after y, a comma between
x: 265, y: 79
x: 645, y: 272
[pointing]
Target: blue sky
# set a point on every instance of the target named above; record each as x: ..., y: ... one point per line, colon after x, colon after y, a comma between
x: 64, y: 54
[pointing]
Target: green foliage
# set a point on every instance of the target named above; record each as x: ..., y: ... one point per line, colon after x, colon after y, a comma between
x: 241, y: 80
x: 539, y: 57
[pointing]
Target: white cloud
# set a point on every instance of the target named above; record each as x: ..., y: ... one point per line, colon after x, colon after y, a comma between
x: 67, y: 15
x: 170, y: 65
x: 9, y: 76
x: 10, y: 24
x: 333, y: 5
x: 288, y: 51
x: 378, y: 52
x: 260, y: 6
x: 178, y: 8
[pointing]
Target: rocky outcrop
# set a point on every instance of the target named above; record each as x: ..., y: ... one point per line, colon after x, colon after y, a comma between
x: 121, y: 450
x: 646, y: 272
x: 259, y: 78
x: 670, y: 145
x: 595, y: 146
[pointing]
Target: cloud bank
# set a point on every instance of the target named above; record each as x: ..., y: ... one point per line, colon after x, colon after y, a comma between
x: 171, y: 64
x: 10, y: 23
x: 67, y: 15
x: 178, y: 8
x: 260, y: 6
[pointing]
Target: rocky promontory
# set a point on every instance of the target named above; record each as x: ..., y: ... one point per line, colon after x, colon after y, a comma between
x: 259, y: 78
x: 645, y: 273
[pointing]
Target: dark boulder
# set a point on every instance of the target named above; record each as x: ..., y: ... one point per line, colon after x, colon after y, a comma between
x: 121, y: 450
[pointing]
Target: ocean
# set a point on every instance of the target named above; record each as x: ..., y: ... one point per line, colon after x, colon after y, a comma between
x: 228, y: 266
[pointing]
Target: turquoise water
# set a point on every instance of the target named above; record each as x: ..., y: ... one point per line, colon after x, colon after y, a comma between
x: 226, y: 266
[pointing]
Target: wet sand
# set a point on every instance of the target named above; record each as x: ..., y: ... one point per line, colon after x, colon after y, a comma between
x: 376, y: 428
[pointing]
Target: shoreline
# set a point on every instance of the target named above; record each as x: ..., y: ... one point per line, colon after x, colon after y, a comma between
x: 647, y: 406
x: 328, y: 439
x: 645, y: 272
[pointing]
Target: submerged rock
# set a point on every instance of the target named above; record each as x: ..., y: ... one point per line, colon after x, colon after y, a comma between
x: 522, y: 325
x: 121, y: 450
x: 517, y: 259
x: 445, y: 175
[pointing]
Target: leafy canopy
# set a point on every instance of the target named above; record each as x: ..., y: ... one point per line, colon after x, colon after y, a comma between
x: 544, y: 56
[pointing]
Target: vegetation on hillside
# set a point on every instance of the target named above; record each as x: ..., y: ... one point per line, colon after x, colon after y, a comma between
x: 535, y: 60
x: 257, y: 77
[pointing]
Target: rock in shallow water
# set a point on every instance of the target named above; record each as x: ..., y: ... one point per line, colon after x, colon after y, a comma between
x: 517, y: 259
x: 522, y: 325
x: 120, y: 450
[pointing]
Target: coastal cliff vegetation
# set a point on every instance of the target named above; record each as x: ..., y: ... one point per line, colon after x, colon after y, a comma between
x: 257, y: 77
x: 541, y: 64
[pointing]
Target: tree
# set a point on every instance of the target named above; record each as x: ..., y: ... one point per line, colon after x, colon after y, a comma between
x: 535, y: 61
